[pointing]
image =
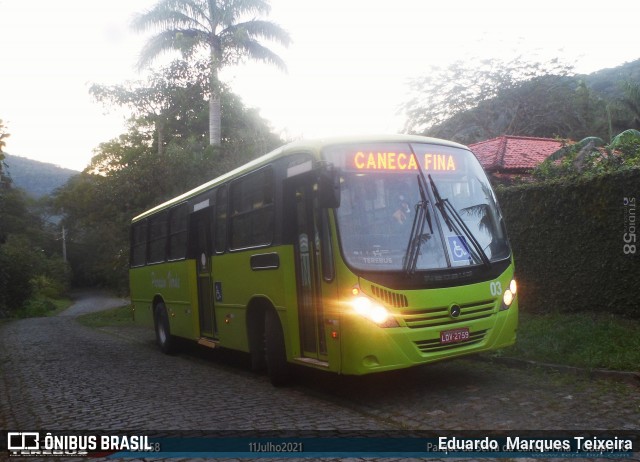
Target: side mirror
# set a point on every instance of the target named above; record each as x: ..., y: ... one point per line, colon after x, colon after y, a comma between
x: 328, y: 187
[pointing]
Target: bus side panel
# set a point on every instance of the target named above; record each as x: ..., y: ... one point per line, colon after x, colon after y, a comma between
x: 140, y: 298
x: 172, y: 283
x: 237, y: 284
x: 286, y: 302
x: 181, y: 297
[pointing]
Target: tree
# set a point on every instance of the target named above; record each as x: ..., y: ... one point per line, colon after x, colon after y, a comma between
x: 4, y: 180
x: 175, y: 93
x: 189, y: 26
x: 444, y: 93
x: 30, y: 263
x: 472, y: 101
x: 127, y: 176
x: 631, y: 102
x: 3, y: 136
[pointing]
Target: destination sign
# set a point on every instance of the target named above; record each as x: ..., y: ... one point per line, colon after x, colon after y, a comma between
x: 400, y: 161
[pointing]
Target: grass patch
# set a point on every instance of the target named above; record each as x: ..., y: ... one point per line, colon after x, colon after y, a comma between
x: 120, y: 316
x: 589, y: 340
x: 42, y: 306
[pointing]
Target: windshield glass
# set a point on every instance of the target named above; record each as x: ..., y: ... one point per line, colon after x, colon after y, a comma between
x: 380, y: 196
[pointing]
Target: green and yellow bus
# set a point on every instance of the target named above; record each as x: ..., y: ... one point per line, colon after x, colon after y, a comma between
x: 350, y: 255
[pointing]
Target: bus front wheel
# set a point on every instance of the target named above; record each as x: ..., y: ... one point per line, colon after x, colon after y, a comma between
x: 164, y: 339
x: 275, y: 352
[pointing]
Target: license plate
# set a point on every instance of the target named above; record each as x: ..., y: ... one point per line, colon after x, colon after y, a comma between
x: 454, y: 335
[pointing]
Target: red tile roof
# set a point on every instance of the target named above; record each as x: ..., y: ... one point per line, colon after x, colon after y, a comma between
x: 515, y: 153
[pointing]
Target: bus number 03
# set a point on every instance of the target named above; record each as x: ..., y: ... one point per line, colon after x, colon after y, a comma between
x: 495, y: 288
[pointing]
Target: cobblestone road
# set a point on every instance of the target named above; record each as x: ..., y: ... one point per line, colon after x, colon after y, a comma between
x: 58, y: 375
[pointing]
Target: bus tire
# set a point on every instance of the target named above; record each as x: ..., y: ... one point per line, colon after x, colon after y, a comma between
x: 275, y: 352
x: 164, y: 339
x: 255, y: 332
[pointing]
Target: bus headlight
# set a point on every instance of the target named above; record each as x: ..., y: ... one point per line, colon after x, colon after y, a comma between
x: 366, y: 308
x: 509, y: 295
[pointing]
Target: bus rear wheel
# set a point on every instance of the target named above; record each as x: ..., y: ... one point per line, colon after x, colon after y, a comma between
x: 275, y: 352
x: 164, y: 339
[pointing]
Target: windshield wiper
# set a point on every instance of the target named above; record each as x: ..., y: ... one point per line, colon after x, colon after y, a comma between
x: 417, y: 235
x: 456, y: 224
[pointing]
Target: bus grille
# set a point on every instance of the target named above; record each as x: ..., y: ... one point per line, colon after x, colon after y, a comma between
x: 433, y: 317
x: 390, y: 298
x: 433, y: 345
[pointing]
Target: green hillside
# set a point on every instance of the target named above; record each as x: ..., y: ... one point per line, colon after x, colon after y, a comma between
x: 36, y: 178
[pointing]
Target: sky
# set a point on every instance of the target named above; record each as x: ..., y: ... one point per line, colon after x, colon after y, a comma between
x: 347, y: 68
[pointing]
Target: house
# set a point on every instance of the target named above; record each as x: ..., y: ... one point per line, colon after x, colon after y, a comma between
x: 508, y: 158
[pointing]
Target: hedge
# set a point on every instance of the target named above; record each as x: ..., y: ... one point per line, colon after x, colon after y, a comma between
x: 567, y: 240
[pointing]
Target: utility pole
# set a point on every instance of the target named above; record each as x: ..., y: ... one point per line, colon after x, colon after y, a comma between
x: 64, y: 244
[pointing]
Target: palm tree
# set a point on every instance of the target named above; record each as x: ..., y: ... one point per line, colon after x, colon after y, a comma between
x: 192, y: 25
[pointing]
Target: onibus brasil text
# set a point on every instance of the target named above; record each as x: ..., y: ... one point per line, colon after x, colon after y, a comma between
x: 82, y: 445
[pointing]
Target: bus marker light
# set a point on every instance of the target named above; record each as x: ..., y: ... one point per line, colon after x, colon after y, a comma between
x: 334, y: 334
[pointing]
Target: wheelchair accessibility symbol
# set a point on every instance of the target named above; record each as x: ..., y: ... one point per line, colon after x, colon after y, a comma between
x: 459, y: 248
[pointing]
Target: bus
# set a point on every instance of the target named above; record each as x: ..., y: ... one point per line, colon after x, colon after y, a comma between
x: 349, y: 255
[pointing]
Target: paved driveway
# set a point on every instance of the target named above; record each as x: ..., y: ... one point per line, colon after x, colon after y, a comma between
x: 56, y: 374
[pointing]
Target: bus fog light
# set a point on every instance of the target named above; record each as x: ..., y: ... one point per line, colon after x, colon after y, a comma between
x: 507, y: 298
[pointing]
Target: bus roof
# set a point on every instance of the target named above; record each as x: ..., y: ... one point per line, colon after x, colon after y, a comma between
x: 311, y: 145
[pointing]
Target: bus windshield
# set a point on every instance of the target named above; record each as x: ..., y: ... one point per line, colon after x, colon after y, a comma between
x: 381, y: 195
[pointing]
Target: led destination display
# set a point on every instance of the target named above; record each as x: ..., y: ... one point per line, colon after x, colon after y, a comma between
x: 388, y: 160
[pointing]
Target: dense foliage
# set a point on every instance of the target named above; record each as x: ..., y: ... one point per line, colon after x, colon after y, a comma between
x: 591, y: 157
x: 31, y: 268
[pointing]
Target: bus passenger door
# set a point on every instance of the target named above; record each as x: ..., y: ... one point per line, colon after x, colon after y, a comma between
x: 312, y: 288
x: 201, y: 239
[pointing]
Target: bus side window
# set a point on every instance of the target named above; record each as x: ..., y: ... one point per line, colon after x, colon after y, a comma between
x: 139, y: 243
x: 178, y: 232
x: 221, y: 220
x: 252, y: 218
x: 157, y: 238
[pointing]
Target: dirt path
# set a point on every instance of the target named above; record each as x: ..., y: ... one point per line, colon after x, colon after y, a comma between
x: 91, y: 301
